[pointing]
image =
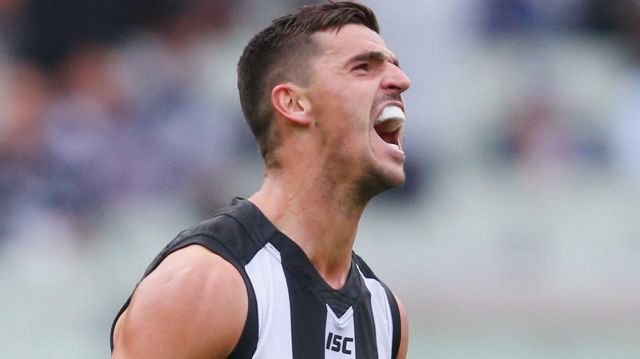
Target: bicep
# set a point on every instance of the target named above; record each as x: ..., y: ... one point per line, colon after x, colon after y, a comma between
x: 193, y: 305
x: 404, y: 331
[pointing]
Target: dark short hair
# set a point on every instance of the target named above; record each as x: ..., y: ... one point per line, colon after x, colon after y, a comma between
x: 281, y: 52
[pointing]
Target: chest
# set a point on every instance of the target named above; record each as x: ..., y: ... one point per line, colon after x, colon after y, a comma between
x: 298, y: 317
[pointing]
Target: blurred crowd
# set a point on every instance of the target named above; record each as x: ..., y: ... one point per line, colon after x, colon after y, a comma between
x: 545, y: 129
x: 106, y: 100
x: 120, y: 124
x: 100, y: 102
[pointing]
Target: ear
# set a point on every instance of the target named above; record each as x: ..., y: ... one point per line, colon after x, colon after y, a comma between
x: 290, y: 101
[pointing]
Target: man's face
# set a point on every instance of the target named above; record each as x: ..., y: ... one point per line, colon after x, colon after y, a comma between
x: 355, y: 92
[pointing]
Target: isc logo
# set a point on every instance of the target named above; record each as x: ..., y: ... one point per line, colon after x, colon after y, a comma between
x: 338, y: 343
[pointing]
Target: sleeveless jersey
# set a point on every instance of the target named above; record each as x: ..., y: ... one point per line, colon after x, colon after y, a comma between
x: 293, y: 313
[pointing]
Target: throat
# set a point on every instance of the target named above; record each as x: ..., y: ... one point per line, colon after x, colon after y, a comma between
x: 390, y: 137
x: 320, y: 216
x: 333, y: 269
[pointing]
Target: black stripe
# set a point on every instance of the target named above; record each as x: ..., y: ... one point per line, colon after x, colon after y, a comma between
x: 249, y: 339
x: 393, y: 306
x: 365, y: 329
x: 308, y: 319
x: 296, y: 261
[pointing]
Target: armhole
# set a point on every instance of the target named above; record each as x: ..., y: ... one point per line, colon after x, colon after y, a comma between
x: 397, y: 325
x: 115, y: 321
x: 393, y: 306
x: 248, y: 341
x: 246, y: 346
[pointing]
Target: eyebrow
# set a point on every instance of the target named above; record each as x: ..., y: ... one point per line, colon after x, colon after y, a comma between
x: 376, y: 56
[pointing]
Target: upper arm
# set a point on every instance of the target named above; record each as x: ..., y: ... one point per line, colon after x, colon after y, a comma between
x: 194, y: 305
x: 404, y: 331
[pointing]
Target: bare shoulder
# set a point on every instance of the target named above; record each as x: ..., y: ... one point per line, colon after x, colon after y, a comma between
x: 193, y: 305
x: 404, y: 330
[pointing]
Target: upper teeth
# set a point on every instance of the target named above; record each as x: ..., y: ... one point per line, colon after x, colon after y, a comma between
x: 394, y: 114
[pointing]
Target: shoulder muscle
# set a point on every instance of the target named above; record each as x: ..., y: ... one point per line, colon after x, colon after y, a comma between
x: 193, y: 305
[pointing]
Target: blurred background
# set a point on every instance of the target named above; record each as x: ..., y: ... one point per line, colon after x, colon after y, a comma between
x: 516, y: 235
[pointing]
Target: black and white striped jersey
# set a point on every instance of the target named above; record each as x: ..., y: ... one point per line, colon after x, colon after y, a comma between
x: 293, y: 313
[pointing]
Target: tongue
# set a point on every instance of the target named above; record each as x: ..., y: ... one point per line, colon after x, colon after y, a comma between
x: 388, y: 136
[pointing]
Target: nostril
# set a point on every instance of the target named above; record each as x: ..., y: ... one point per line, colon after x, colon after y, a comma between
x: 397, y: 81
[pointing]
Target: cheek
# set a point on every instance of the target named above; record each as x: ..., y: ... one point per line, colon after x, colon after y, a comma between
x: 343, y: 115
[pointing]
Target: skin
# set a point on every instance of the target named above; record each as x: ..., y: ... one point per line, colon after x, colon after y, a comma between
x: 332, y: 162
x: 175, y: 311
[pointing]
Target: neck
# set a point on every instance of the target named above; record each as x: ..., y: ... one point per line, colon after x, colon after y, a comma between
x: 319, y: 215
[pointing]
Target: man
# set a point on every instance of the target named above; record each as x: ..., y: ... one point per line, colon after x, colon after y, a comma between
x: 274, y: 276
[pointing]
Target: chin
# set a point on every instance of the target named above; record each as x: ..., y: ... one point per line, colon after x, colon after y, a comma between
x: 380, y: 180
x: 390, y: 175
x: 394, y: 180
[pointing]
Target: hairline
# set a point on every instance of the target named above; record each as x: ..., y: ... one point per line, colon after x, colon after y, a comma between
x: 295, y: 63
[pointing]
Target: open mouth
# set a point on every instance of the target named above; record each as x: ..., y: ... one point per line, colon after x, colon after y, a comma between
x: 389, y: 123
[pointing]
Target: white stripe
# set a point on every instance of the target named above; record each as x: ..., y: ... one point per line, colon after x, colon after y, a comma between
x: 382, y: 317
x: 339, y: 335
x: 272, y: 296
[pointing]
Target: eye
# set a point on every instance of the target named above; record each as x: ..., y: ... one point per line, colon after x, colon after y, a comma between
x: 362, y: 67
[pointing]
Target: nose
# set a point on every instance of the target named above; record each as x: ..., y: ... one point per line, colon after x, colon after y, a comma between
x: 396, y: 79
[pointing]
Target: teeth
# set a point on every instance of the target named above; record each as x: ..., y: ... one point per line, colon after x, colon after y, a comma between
x: 392, y: 117
x: 391, y: 113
